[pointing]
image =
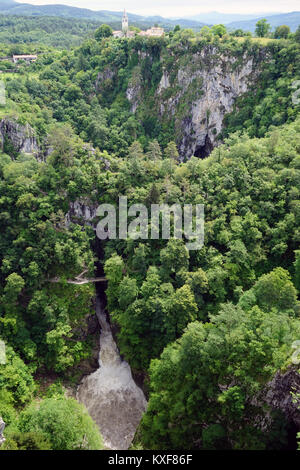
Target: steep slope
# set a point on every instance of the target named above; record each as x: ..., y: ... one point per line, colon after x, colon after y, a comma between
x: 184, y: 88
x: 21, y: 138
x: 194, y: 93
x: 216, y: 85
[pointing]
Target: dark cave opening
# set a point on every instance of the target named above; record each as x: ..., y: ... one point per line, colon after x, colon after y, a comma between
x: 203, y: 151
x: 292, y: 441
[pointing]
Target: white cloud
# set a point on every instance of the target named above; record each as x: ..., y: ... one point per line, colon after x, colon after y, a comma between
x: 172, y: 8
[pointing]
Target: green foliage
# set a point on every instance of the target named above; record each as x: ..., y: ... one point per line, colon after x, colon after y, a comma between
x: 16, y: 382
x: 171, y: 151
x: 262, y: 28
x: 297, y: 34
x: 156, y: 288
x: 28, y: 34
x: 65, y: 424
x: 37, y: 315
x: 202, y: 386
x: 262, y: 109
x: 87, y: 87
x: 154, y: 151
x: 273, y: 290
x: 282, y: 32
x: 240, y: 33
x: 174, y: 257
x: 213, y: 325
x: 218, y: 30
x: 297, y: 270
x: 7, y: 402
x: 26, y: 441
x: 104, y: 31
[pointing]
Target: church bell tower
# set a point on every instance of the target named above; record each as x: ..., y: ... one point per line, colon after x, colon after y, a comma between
x: 125, y: 23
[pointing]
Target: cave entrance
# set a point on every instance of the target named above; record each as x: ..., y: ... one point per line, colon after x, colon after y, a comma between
x: 203, y: 151
x: 292, y: 432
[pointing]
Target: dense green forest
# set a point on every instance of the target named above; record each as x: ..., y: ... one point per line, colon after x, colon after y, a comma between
x: 207, y: 330
x: 61, y: 33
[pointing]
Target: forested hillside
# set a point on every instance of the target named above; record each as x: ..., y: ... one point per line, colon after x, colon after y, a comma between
x: 34, y: 33
x: 184, y: 86
x: 189, y: 119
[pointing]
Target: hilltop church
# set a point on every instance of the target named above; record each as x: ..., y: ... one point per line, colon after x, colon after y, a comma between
x: 126, y: 33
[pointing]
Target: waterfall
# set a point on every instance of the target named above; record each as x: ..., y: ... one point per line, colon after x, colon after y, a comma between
x: 110, y: 394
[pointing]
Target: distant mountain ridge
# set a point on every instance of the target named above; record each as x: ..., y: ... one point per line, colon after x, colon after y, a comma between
x: 246, y: 22
x: 10, y: 7
x: 215, y: 17
x: 8, y: 4
x: 290, y: 19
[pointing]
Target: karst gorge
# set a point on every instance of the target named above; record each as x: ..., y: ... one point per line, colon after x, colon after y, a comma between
x: 139, y: 344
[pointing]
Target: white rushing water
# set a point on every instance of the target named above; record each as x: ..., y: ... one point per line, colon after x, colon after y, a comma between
x: 110, y: 394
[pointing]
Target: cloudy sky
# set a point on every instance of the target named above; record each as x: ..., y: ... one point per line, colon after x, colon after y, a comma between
x: 173, y: 8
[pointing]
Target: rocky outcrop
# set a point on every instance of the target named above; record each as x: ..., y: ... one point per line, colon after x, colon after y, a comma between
x: 134, y: 90
x: 2, y: 427
x: 164, y: 83
x: 283, y: 393
x: 106, y: 74
x: 21, y: 137
x: 81, y: 211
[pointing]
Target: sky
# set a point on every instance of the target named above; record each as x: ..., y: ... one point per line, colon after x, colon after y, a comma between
x: 173, y: 8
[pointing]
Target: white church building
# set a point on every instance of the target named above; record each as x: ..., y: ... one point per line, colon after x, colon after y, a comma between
x: 126, y: 33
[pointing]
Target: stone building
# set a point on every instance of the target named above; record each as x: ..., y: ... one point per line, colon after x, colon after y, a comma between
x: 125, y: 33
x: 27, y: 58
x: 155, y: 31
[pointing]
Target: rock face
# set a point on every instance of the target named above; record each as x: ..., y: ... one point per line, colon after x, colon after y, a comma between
x: 107, y: 74
x: 81, y: 211
x: 220, y: 86
x: 195, y: 93
x: 2, y: 427
x: 134, y: 90
x: 21, y: 137
x: 279, y: 394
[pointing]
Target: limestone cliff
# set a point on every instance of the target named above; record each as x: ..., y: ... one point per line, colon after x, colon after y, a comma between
x: 134, y: 89
x: 280, y: 391
x: 195, y: 92
x: 21, y: 137
x: 81, y: 211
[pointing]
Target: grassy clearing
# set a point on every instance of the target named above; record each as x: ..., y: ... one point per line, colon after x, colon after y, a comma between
x: 262, y: 41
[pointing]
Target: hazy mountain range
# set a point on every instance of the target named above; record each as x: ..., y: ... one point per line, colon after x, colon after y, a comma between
x: 10, y: 7
x: 215, y: 17
x: 232, y: 21
x: 290, y: 19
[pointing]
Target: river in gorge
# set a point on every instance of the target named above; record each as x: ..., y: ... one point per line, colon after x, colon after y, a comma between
x: 110, y: 394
